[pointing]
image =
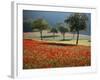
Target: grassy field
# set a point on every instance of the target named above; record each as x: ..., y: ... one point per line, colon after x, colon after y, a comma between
x: 83, y: 39
x: 81, y: 42
x: 54, y: 52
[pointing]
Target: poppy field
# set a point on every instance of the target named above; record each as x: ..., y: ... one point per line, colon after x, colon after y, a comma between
x: 42, y: 54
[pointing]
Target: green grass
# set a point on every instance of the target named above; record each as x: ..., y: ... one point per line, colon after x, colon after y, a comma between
x: 49, y: 37
x: 81, y: 42
x: 66, y: 40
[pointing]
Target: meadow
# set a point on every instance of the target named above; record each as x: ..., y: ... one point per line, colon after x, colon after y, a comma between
x: 52, y: 51
x: 48, y: 37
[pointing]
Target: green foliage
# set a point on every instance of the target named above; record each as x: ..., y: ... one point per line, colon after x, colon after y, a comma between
x: 77, y: 22
x: 40, y: 24
x: 62, y: 28
x: 54, y: 30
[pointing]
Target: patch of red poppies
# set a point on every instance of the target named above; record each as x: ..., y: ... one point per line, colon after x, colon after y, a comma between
x: 39, y: 55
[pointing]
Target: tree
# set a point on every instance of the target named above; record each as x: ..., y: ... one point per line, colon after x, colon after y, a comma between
x: 77, y: 22
x: 54, y: 31
x: 40, y: 24
x: 62, y: 29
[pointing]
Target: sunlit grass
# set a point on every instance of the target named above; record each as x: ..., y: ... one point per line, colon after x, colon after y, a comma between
x: 81, y: 42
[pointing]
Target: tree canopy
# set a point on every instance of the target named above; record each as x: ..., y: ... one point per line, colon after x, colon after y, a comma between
x: 54, y: 30
x: 77, y: 22
x: 62, y: 29
x: 40, y: 24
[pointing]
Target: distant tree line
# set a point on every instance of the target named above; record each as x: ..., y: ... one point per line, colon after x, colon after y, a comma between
x: 76, y: 22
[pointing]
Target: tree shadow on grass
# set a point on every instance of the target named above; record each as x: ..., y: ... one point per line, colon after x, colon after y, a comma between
x: 58, y: 44
x: 50, y: 36
x: 89, y: 40
x: 65, y: 39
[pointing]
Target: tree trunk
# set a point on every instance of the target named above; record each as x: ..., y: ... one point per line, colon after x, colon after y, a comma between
x: 77, y: 37
x: 63, y: 36
x: 41, y: 35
